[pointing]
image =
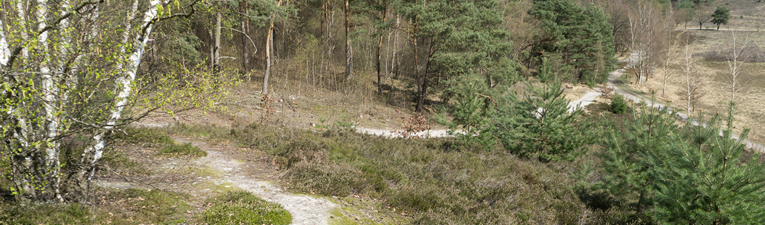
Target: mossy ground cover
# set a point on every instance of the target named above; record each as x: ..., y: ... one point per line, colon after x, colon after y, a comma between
x: 130, y: 206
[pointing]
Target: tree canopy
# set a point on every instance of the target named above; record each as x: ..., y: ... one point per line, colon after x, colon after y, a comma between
x: 580, y: 38
x: 720, y: 16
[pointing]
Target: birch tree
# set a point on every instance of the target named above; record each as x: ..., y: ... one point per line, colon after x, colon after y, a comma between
x: 58, y: 83
x: 735, y: 63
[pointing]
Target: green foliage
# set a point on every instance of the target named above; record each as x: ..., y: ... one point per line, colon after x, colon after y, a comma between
x: 545, y: 72
x: 627, y: 175
x: 618, y: 104
x: 461, y: 37
x: 703, y: 178
x: 48, y: 214
x: 720, y: 16
x: 241, y: 207
x: 542, y: 127
x: 472, y: 111
x: 186, y: 149
x: 427, y: 178
x: 142, y: 136
x: 132, y: 206
x: 580, y: 36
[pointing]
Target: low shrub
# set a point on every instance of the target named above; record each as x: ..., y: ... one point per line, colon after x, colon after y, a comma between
x: 53, y: 214
x: 618, y: 104
x: 330, y: 180
x: 186, y: 149
x: 143, y: 136
x: 241, y: 207
x: 428, y: 178
x: 131, y: 206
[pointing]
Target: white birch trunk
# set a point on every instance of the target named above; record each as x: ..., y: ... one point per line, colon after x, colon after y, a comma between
x: 21, y: 11
x: 123, y: 86
x: 5, y: 52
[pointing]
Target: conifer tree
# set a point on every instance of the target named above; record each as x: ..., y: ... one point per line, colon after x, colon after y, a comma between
x: 543, y: 128
x: 580, y: 36
x: 627, y: 175
x: 720, y: 16
x: 472, y: 110
x: 707, y: 180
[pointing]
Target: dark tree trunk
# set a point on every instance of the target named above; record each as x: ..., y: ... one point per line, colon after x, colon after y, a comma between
x: 416, y: 68
x: 424, y: 89
x: 379, y: 46
x: 245, y: 23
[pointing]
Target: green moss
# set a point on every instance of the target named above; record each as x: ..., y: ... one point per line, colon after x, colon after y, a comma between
x: 241, y: 207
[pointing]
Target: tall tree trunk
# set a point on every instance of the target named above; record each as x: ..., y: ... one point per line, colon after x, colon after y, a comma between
x: 21, y: 11
x: 395, y: 62
x: 424, y: 89
x: 269, y: 47
x: 269, y: 42
x: 245, y: 30
x: 348, y: 60
x: 379, y: 47
x: 218, y: 18
x: 416, y: 66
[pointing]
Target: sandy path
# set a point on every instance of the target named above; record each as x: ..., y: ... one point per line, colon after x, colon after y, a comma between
x: 304, y: 209
x: 613, y: 77
x: 587, y: 99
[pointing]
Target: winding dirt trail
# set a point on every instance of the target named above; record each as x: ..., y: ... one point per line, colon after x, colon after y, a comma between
x: 305, y: 210
x: 587, y: 99
x: 613, y: 77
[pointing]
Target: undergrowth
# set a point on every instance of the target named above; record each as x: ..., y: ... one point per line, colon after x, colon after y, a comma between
x: 186, y: 149
x: 131, y: 206
x: 432, y: 179
x: 241, y: 207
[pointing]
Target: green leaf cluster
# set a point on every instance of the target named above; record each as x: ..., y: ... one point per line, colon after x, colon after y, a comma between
x: 618, y: 104
x: 472, y: 111
x: 720, y: 16
x: 579, y: 37
x: 689, y: 175
x: 543, y: 126
x: 627, y: 171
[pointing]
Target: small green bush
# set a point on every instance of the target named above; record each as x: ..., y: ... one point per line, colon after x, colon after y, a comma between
x: 186, y: 149
x: 330, y: 180
x: 241, y: 207
x: 618, y: 104
x: 53, y: 214
x: 143, y: 136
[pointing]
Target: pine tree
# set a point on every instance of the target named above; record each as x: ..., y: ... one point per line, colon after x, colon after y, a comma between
x: 581, y: 36
x: 720, y: 16
x: 704, y: 179
x: 626, y: 171
x: 459, y: 36
x: 543, y: 128
x: 472, y: 111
